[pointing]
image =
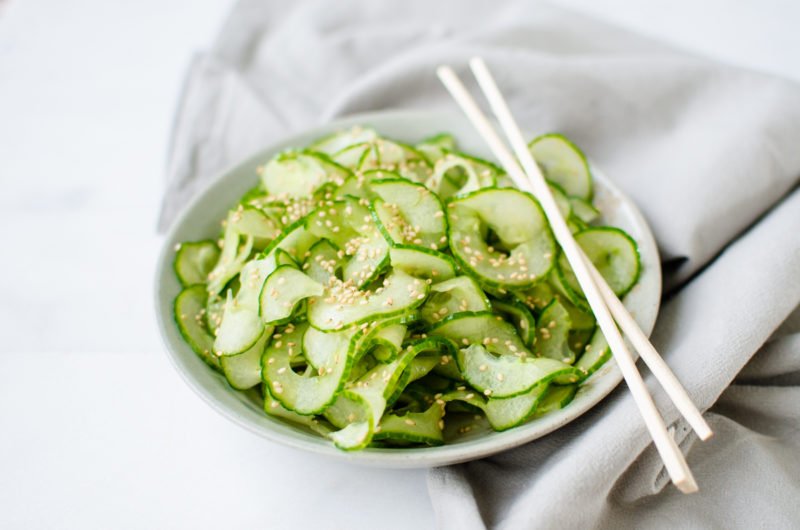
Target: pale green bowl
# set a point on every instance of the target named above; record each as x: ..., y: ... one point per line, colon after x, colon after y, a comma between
x: 200, y: 220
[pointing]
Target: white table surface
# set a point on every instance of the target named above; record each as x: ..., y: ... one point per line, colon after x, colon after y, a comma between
x: 96, y: 428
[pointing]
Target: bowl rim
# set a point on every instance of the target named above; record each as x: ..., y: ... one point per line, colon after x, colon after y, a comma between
x: 605, y: 379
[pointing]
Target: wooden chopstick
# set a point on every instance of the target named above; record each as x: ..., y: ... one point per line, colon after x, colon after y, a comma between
x: 654, y: 361
x: 673, y: 459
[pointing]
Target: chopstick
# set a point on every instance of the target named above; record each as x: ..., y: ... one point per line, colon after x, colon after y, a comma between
x: 660, y: 369
x: 654, y: 361
x: 673, y: 459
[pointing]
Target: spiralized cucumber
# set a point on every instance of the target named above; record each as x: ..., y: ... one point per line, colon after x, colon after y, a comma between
x: 381, y: 294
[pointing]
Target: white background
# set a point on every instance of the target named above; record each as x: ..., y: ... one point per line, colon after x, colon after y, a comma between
x: 96, y: 428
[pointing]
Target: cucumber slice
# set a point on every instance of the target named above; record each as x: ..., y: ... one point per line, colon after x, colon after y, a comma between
x: 509, y: 375
x: 239, y: 324
x: 358, y: 185
x: 562, y: 162
x: 502, y: 413
x: 553, y: 333
x: 536, y: 297
x: 231, y: 260
x: 295, y: 240
x: 487, y: 171
x: 524, y: 250
x: 281, y: 293
x: 595, y: 354
x: 578, y: 339
x: 422, y: 263
x: 393, y: 155
x: 324, y: 262
x: 293, y: 174
x: 385, y: 333
x: 316, y: 346
x: 252, y: 278
x: 421, y: 366
x: 581, y: 320
x: 506, y: 413
x: 417, y: 427
x: 453, y: 175
x: 518, y: 314
x: 240, y: 329
x: 274, y: 408
x: 333, y: 143
x: 584, y: 210
x: 459, y: 174
x: 447, y: 367
x: 562, y: 201
x: 436, y: 146
x: 450, y: 297
x: 243, y: 370
x: 416, y: 213
x: 358, y: 434
x: 241, y: 336
x: 615, y: 255
x: 251, y: 221
x: 215, y: 307
x: 370, y: 256
x: 575, y: 225
x: 557, y: 397
x: 300, y: 173
x: 349, y: 225
x: 336, y: 222
x: 313, y: 392
x: 190, y: 305
x: 194, y: 260
x: 484, y: 328
x: 353, y: 156
x: 343, y: 305
x: 386, y: 341
x: 359, y: 409
x: 431, y: 351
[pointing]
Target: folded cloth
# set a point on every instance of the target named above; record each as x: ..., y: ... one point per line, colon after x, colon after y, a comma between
x: 708, y: 152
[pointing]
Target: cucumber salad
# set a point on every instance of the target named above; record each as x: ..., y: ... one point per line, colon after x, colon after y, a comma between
x: 387, y: 295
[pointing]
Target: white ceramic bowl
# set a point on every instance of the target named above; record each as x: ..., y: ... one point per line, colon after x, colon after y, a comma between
x: 200, y: 220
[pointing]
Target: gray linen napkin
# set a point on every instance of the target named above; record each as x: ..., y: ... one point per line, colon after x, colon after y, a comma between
x: 710, y: 154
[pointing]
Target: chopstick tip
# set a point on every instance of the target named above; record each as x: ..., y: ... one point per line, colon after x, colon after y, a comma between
x: 443, y: 70
x: 687, y: 486
x: 706, y: 434
x: 477, y: 62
